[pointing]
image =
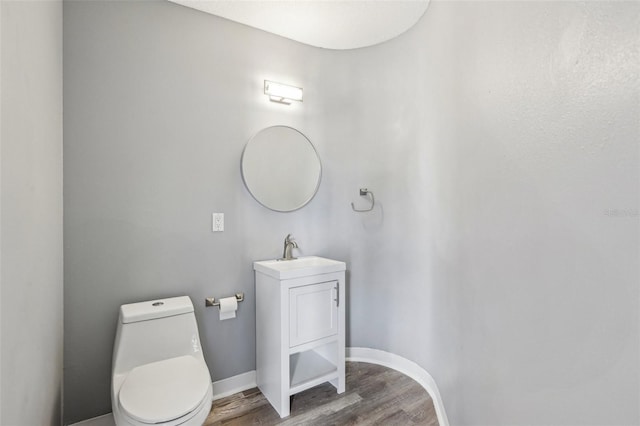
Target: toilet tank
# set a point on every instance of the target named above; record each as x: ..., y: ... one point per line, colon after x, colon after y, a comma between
x: 155, y: 330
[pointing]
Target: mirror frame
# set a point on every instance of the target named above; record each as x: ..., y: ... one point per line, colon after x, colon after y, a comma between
x: 317, y: 156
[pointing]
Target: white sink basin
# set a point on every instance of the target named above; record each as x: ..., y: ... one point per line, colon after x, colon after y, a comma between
x: 300, y: 267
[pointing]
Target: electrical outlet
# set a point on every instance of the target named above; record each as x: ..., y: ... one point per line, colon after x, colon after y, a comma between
x: 217, y: 222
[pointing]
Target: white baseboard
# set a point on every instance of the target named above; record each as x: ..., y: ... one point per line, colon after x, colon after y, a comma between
x: 244, y: 381
x: 403, y: 365
x: 105, y: 420
x: 235, y: 384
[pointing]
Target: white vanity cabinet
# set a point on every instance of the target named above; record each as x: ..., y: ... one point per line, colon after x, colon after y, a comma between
x: 300, y: 327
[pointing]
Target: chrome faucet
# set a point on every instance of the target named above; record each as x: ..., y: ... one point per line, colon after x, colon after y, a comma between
x: 289, y: 245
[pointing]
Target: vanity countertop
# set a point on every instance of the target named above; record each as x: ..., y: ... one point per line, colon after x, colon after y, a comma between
x: 300, y: 267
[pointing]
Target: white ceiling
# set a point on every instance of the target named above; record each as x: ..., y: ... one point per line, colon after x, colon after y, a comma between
x: 331, y: 24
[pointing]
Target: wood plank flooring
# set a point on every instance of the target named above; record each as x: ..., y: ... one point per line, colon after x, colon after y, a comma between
x: 375, y: 395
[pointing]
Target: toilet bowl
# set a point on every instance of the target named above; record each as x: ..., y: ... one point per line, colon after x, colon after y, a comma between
x: 159, y: 376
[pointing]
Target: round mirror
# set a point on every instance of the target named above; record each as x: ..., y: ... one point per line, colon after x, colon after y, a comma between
x: 281, y: 168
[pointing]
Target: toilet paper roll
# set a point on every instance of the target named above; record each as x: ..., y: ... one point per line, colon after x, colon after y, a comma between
x: 228, y: 307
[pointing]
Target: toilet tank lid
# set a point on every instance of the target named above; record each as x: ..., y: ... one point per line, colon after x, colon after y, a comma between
x: 152, y: 309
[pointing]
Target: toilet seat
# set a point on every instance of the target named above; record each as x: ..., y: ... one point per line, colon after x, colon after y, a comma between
x: 166, y: 390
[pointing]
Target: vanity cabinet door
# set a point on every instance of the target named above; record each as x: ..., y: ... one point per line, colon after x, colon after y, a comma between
x: 313, y: 311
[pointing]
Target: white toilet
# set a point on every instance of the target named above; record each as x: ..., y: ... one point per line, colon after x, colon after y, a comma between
x: 159, y: 375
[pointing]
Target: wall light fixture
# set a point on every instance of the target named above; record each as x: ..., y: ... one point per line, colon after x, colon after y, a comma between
x: 282, y: 93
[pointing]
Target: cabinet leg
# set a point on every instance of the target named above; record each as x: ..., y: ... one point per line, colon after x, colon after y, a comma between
x: 285, y: 410
x: 285, y: 406
x: 339, y: 384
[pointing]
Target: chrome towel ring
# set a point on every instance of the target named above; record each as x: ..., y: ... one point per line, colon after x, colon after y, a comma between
x: 364, y: 192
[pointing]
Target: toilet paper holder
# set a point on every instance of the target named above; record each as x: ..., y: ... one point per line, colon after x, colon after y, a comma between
x: 212, y: 301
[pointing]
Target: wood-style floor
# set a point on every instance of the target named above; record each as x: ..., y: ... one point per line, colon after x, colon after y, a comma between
x: 375, y: 395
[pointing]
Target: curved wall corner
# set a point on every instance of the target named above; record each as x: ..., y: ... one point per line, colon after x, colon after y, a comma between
x: 406, y: 367
x: 493, y: 138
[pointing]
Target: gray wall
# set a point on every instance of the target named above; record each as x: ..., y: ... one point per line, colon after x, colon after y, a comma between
x: 550, y: 291
x: 499, y: 138
x: 31, y: 213
x: 159, y: 102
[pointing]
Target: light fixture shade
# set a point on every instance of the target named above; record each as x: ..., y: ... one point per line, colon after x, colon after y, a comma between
x: 282, y: 93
